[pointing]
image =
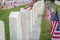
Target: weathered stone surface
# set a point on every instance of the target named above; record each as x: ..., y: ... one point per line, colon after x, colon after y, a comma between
x: 15, y: 26
x: 25, y: 24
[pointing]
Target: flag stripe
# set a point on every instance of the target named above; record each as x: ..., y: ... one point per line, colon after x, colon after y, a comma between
x: 53, y: 25
x: 56, y: 33
x: 56, y: 37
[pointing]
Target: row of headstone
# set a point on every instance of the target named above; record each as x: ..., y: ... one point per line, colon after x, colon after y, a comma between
x: 12, y: 4
x: 21, y: 22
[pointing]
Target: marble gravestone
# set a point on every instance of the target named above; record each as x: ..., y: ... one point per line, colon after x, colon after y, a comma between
x: 33, y: 15
x: 15, y: 26
x: 25, y: 24
x: 29, y: 19
x: 37, y: 10
x: 2, y: 30
x: 42, y: 7
x: 39, y: 7
x: 36, y: 7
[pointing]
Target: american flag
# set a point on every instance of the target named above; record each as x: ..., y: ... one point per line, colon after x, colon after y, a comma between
x: 56, y: 32
x: 54, y: 25
x: 48, y: 15
x: 49, y: 10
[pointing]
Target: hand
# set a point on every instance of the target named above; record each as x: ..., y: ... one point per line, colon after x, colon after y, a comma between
x: 30, y: 5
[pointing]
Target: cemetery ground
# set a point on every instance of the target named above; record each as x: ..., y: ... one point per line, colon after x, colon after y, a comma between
x: 45, y: 26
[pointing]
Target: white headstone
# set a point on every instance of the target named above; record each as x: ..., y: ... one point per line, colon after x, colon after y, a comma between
x: 2, y: 31
x: 31, y: 12
x: 25, y: 24
x: 39, y: 6
x: 42, y: 7
x: 33, y: 15
x: 15, y: 26
x: 29, y: 20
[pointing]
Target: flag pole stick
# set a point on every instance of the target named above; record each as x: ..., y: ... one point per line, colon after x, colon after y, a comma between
x: 56, y: 8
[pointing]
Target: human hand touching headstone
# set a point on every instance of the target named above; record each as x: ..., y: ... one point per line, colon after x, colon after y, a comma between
x: 30, y: 5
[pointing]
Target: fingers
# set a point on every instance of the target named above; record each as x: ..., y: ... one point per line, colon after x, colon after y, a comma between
x: 29, y: 6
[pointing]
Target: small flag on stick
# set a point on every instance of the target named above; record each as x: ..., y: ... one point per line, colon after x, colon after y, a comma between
x: 54, y: 21
x: 49, y: 10
x: 56, y: 30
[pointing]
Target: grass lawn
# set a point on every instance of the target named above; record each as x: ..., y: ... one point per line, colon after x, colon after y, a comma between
x: 45, y: 26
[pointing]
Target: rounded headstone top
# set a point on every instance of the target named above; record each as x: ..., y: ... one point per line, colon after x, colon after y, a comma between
x: 24, y: 10
x: 14, y: 14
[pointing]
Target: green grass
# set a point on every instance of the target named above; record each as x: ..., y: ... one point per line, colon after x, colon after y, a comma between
x: 45, y: 26
x: 4, y: 15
